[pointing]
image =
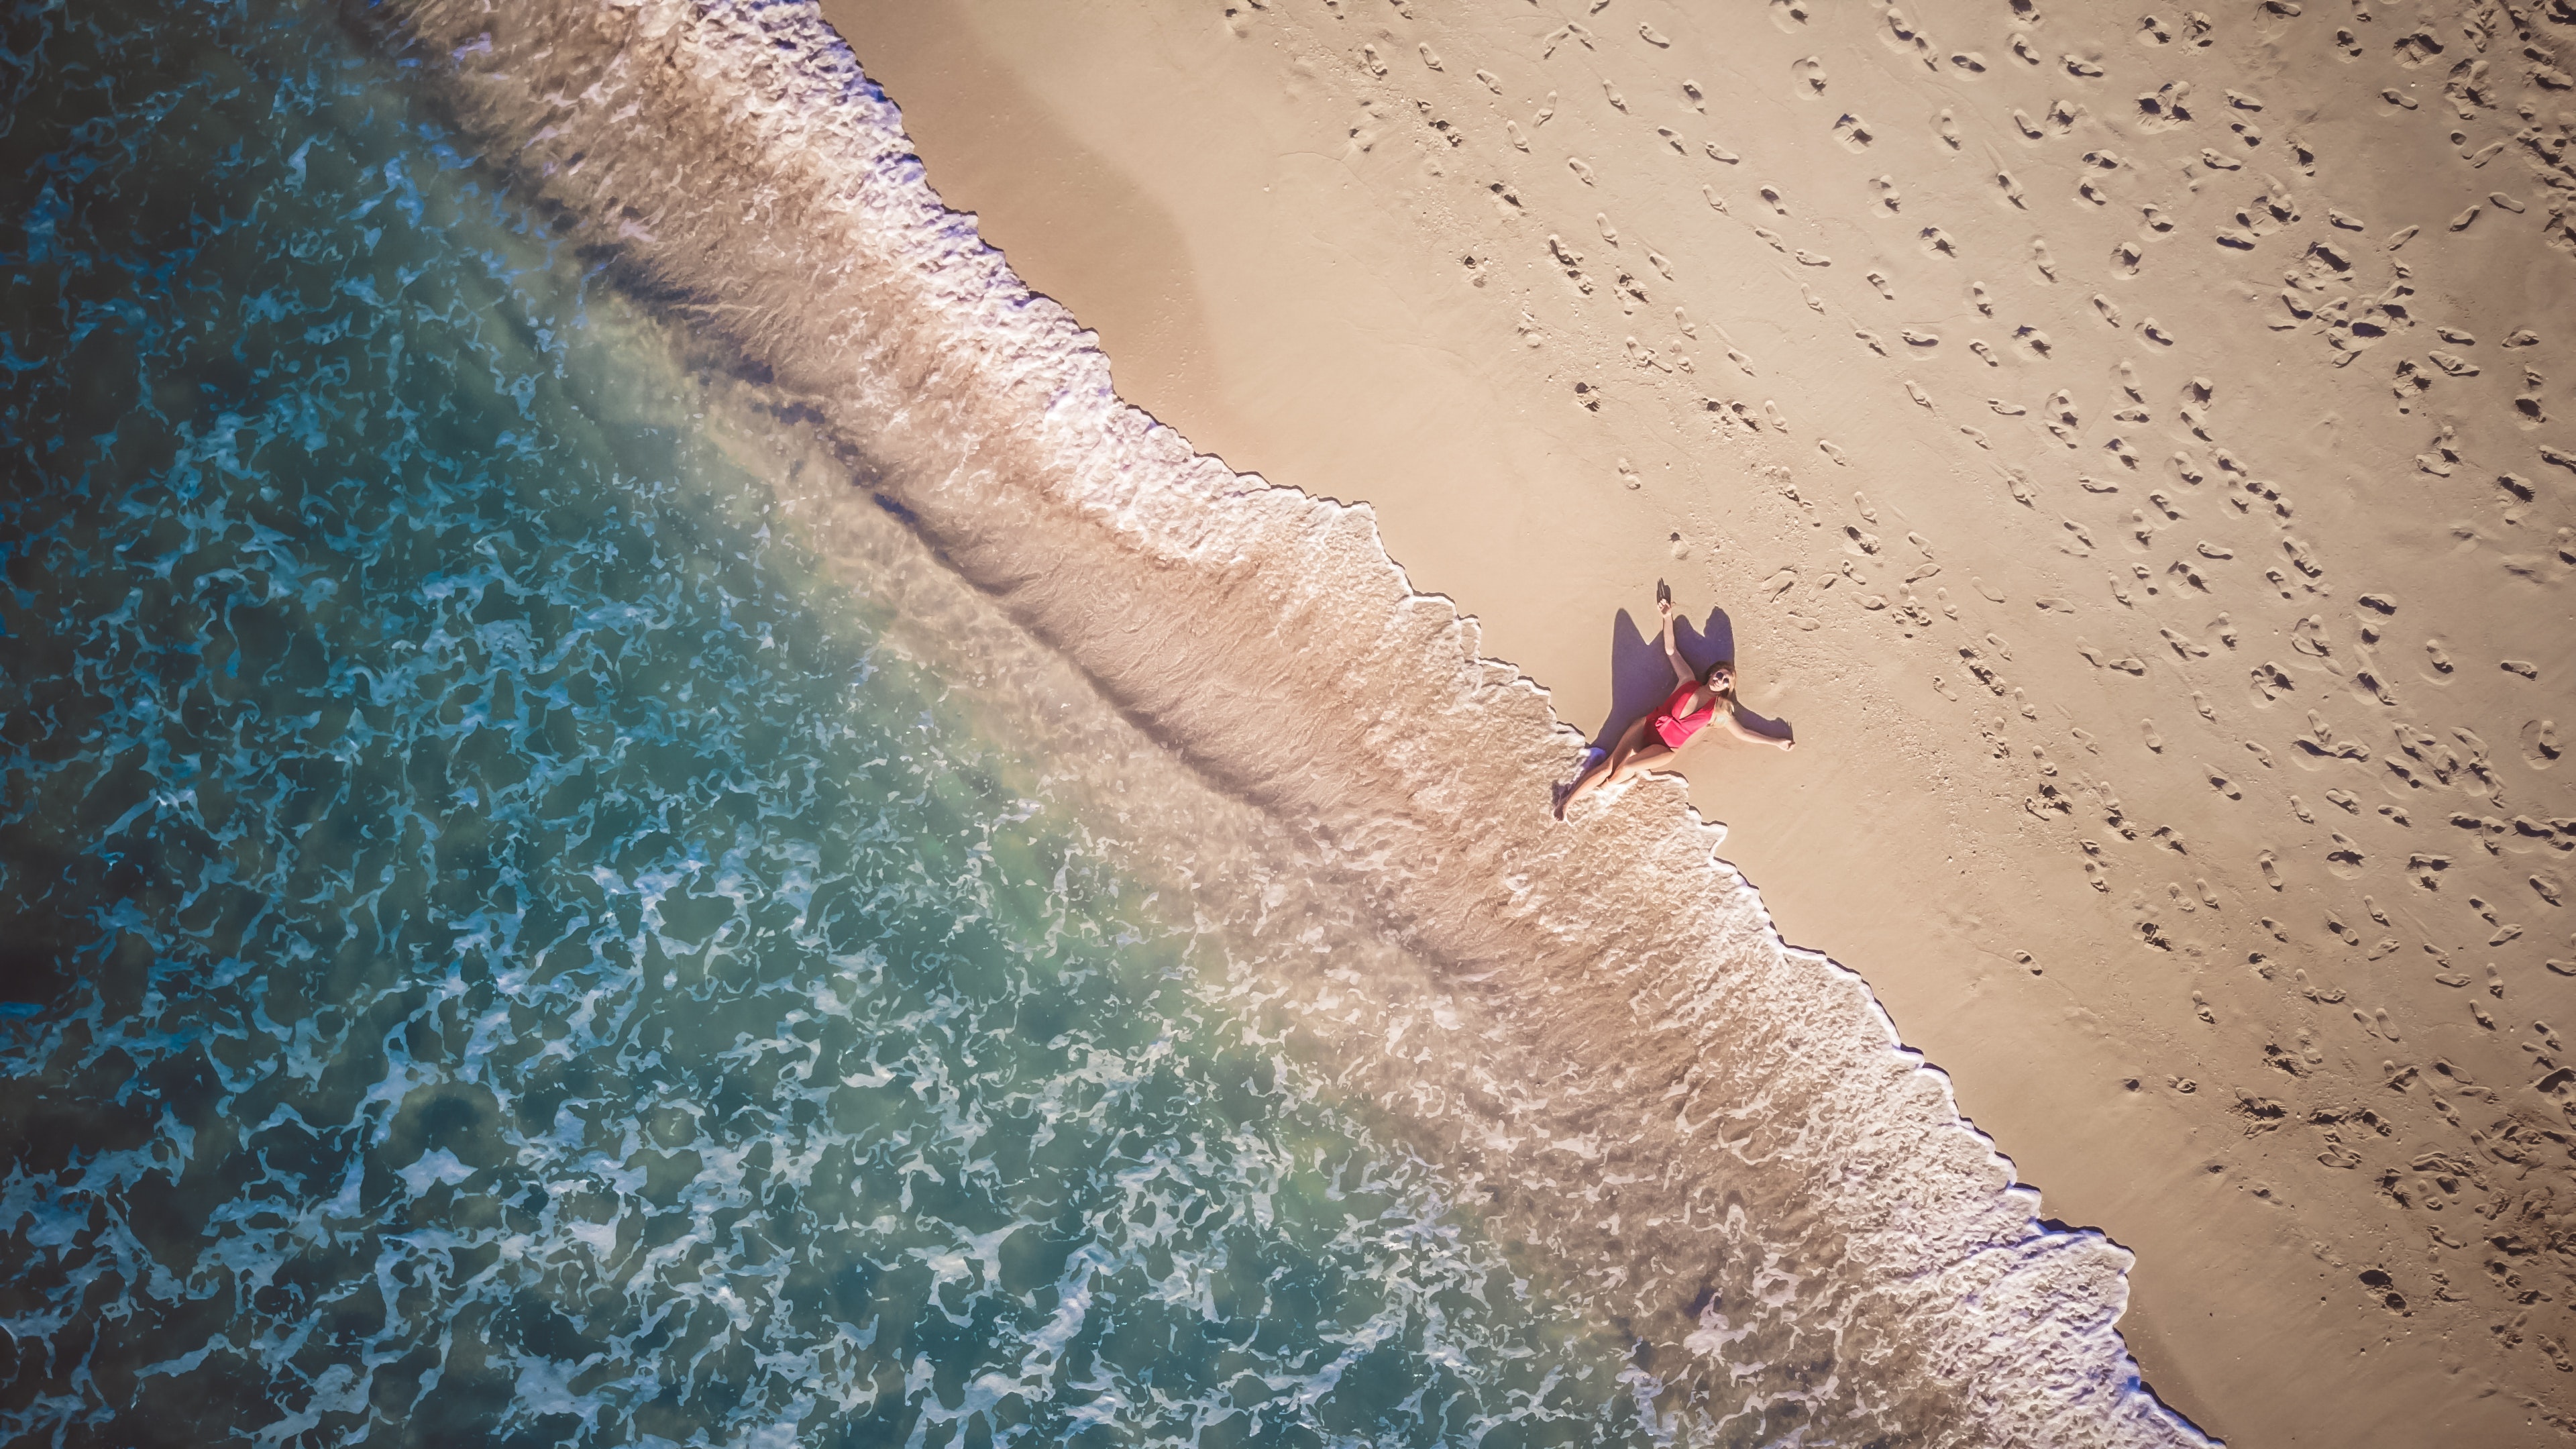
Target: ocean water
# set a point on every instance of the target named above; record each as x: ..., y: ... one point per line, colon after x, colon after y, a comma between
x: 634, y: 809
x: 516, y: 935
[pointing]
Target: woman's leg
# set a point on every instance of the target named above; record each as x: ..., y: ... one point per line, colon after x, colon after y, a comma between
x: 1643, y: 758
x: 1599, y: 775
x: 1618, y: 770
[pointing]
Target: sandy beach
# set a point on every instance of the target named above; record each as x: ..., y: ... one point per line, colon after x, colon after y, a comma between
x: 2132, y: 451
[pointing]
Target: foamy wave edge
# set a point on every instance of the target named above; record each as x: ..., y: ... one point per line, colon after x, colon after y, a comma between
x: 739, y: 170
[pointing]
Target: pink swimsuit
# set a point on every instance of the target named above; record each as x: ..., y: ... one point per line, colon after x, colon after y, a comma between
x: 1676, y: 728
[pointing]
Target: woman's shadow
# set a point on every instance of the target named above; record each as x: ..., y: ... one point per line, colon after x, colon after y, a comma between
x: 1641, y: 678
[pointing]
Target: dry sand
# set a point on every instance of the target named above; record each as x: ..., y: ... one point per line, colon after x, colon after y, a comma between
x: 2134, y: 450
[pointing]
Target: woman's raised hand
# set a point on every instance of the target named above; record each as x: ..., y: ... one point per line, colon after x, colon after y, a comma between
x: 1664, y: 610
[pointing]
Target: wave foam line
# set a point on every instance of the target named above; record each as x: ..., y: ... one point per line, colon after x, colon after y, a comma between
x: 1748, y: 1142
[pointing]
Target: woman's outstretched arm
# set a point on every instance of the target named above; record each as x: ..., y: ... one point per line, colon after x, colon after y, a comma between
x: 1673, y: 651
x: 1727, y: 721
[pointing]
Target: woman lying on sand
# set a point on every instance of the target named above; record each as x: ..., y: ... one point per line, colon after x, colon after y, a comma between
x: 1697, y: 702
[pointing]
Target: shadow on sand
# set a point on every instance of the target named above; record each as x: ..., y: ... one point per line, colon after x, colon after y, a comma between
x: 1640, y: 677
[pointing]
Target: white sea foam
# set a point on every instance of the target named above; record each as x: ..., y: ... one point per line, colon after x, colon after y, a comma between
x: 1719, y: 1139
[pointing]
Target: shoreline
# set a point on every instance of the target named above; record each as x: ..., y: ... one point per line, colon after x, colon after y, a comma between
x: 1328, y: 342
x: 1194, y: 597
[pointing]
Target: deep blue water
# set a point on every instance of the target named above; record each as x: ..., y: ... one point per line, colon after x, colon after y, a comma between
x: 505, y: 942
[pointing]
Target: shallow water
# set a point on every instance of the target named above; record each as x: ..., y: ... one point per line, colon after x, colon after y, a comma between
x: 526, y: 923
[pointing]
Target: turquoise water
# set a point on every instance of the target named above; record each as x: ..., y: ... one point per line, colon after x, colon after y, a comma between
x: 515, y: 935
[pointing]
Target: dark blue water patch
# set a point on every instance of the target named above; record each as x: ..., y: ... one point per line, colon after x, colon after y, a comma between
x: 496, y: 950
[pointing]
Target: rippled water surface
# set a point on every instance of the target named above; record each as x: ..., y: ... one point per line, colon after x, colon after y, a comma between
x: 512, y: 939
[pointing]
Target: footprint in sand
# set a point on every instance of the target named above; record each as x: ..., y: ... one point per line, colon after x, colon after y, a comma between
x: 2540, y: 743
x: 1853, y: 132
x: 2346, y: 859
x: 1808, y: 76
x: 2266, y: 863
x: 1978, y: 346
